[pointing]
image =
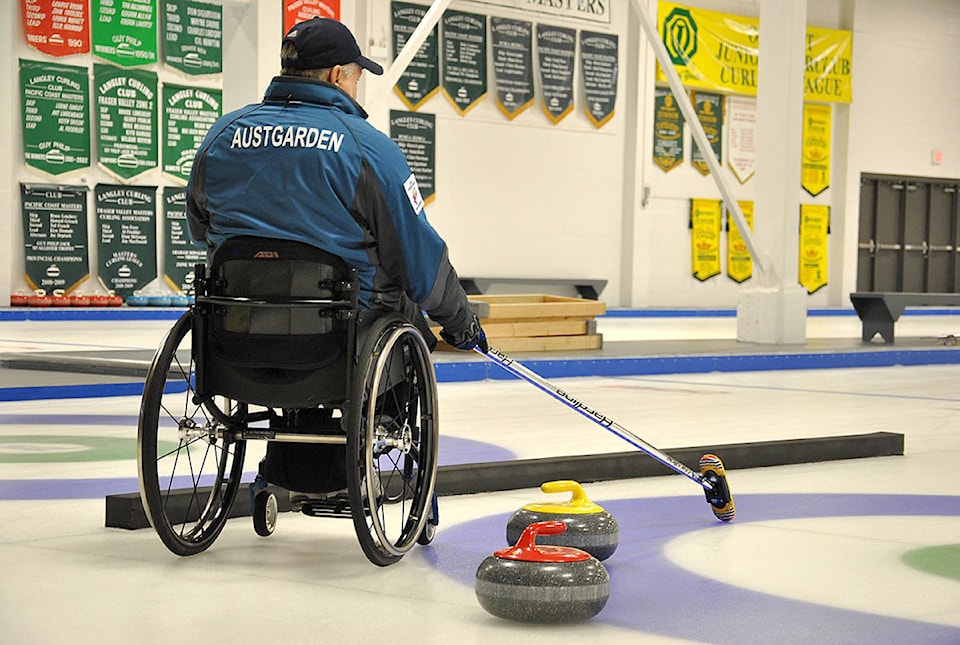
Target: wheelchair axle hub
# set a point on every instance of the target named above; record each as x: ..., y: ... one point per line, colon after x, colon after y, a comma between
x: 189, y: 431
x: 387, y: 440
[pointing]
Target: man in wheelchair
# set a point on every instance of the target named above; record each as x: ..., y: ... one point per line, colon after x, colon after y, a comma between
x: 303, y: 167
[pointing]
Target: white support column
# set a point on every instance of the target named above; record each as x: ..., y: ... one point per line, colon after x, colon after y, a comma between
x: 252, y: 32
x: 776, y: 313
x: 10, y: 155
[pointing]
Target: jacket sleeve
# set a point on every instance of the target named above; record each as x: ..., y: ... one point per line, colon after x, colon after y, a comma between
x: 198, y: 218
x: 411, y: 252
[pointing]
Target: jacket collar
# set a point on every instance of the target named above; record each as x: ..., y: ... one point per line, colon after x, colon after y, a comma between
x: 308, y: 90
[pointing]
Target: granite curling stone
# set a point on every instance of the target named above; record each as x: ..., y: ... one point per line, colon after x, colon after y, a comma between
x: 542, y: 584
x: 589, y: 527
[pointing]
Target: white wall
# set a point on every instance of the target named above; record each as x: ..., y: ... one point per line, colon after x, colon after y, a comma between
x: 527, y: 198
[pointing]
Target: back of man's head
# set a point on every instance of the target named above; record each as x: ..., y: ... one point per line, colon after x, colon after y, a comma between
x: 320, y: 44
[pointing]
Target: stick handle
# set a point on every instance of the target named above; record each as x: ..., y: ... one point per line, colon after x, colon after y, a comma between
x: 520, y: 371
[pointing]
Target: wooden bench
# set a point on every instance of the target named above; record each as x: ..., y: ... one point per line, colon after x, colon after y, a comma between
x: 587, y: 288
x: 879, y: 311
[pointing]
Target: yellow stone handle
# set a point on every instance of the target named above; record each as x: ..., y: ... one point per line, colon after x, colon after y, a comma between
x: 579, y: 502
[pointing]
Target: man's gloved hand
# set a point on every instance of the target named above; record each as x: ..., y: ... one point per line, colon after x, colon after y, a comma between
x: 467, y: 338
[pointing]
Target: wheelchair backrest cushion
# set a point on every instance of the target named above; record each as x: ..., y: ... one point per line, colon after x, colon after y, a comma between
x: 280, y: 344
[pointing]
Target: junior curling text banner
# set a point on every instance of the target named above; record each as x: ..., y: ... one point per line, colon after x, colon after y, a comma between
x: 719, y: 52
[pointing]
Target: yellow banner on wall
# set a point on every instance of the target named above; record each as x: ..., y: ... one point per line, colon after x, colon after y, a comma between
x: 814, y: 229
x: 815, y: 177
x: 706, y: 216
x: 718, y: 51
x: 739, y: 261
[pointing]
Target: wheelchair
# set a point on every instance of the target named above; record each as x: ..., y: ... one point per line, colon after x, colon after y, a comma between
x: 276, y: 349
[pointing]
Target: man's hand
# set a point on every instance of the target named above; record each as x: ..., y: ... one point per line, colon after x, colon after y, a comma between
x: 467, y: 338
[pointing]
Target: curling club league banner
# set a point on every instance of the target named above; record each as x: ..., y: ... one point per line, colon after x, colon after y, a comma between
x: 512, y: 64
x: 416, y: 135
x: 56, y: 118
x: 56, y: 251
x: 421, y: 80
x: 814, y: 233
x: 706, y: 217
x: 709, y: 109
x: 668, y: 126
x: 464, y: 59
x: 599, y: 58
x: 192, y: 36
x: 181, y: 255
x: 188, y: 113
x: 126, y: 236
x: 556, y: 51
x: 124, y: 32
x: 720, y: 52
x: 739, y: 261
x: 295, y: 11
x: 57, y: 27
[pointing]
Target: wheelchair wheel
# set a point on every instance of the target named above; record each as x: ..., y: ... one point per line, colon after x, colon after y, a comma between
x: 265, y: 511
x: 393, y: 439
x: 189, y: 473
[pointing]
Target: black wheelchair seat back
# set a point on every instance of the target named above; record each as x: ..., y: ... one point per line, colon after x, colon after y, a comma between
x: 276, y: 324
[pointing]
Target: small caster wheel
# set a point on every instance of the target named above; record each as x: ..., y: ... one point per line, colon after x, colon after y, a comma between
x: 430, y: 528
x: 265, y: 513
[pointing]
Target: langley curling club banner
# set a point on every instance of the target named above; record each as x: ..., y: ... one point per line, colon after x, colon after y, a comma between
x: 720, y: 52
x: 421, y: 80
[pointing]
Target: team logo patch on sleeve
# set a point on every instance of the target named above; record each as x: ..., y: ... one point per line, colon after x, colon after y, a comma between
x: 413, y: 194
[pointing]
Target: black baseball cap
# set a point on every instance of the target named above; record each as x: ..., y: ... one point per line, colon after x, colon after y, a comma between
x: 325, y: 42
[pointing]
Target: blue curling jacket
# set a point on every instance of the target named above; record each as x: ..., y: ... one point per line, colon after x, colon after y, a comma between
x: 305, y: 165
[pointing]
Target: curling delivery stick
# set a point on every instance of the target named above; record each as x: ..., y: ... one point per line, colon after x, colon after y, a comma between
x: 712, y: 476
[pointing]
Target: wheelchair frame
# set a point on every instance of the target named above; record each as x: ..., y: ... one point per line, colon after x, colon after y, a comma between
x: 195, y: 422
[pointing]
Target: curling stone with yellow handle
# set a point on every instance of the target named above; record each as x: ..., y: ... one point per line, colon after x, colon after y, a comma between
x: 589, y: 527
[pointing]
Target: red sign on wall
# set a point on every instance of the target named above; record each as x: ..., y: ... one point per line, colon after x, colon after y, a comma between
x: 295, y: 11
x: 57, y: 27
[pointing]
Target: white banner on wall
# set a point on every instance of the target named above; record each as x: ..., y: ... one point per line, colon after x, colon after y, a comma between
x: 592, y: 10
x: 741, y: 136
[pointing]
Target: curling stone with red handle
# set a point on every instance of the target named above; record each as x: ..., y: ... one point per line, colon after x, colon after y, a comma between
x: 542, y: 584
x: 589, y: 527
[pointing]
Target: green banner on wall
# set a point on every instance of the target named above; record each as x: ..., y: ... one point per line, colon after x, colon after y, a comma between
x: 416, y: 134
x: 126, y: 104
x: 709, y: 108
x: 556, y: 48
x: 667, y: 131
x: 188, y: 113
x: 512, y: 64
x: 55, y: 236
x: 126, y: 236
x: 56, y: 116
x: 125, y: 31
x: 180, y: 253
x: 421, y: 80
x: 599, y: 63
x: 464, y: 59
x: 192, y: 36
